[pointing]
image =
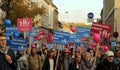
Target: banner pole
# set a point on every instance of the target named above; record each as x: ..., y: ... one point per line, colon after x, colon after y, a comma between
x: 96, y: 54
x: 57, y: 57
x: 24, y: 35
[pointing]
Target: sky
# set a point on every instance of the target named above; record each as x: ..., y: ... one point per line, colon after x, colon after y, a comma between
x: 77, y: 10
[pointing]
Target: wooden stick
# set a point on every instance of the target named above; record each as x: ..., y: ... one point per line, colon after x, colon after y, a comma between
x: 96, y: 54
x: 57, y: 58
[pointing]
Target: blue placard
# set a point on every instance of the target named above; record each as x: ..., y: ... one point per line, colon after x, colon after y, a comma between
x: 77, y: 40
x: 61, y: 37
x: 19, y: 43
x: 32, y: 33
x: 113, y: 43
x: 65, y: 38
x: 49, y: 46
x: 59, y: 47
x: 72, y: 37
x: 57, y: 37
x: 10, y: 30
x: 84, y: 32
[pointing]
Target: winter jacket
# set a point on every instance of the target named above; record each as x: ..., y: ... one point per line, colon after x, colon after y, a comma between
x: 34, y: 62
x: 87, y: 65
x: 46, y: 64
x: 73, y: 66
x: 107, y: 66
x: 4, y: 65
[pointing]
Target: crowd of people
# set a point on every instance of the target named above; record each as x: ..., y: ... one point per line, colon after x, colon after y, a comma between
x: 55, y: 59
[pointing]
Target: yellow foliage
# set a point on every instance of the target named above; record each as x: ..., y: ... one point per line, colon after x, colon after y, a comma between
x: 67, y: 26
x: 22, y: 9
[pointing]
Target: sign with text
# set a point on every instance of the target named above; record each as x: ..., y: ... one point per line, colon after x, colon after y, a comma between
x: 72, y: 37
x: 83, y: 32
x: 61, y: 37
x: 24, y: 24
x: 103, y: 29
x: 33, y: 33
x: 40, y: 35
x: 19, y: 44
x: 10, y: 30
x: 77, y: 40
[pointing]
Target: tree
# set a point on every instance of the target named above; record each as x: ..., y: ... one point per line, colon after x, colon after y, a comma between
x: 23, y: 9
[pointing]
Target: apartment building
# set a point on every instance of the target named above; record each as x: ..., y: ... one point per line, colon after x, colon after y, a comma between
x: 111, y: 16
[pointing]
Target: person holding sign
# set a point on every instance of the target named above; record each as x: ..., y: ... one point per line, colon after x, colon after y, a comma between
x: 7, y: 57
x: 49, y: 62
x: 34, y: 60
x: 76, y: 65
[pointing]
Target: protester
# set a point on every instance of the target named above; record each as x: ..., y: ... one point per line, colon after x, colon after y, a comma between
x: 87, y: 63
x: 49, y: 62
x: 22, y: 60
x: 92, y: 53
x: 7, y: 57
x: 108, y: 63
x: 45, y: 52
x: 76, y: 65
x: 66, y: 59
x: 34, y: 60
x: 60, y: 61
x: 117, y: 58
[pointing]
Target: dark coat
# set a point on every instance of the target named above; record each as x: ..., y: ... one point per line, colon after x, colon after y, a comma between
x: 4, y: 65
x: 73, y: 66
x: 107, y: 66
x: 46, y: 64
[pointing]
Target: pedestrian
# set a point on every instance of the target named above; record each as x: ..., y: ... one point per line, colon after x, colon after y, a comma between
x: 108, y: 63
x: 66, y: 59
x: 49, y: 62
x: 7, y: 56
x: 92, y: 53
x: 76, y: 65
x: 86, y: 62
x: 34, y: 60
x: 117, y: 58
x: 22, y: 60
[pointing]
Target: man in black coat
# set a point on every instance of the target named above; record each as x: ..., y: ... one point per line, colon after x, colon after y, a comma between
x: 7, y: 56
x: 108, y: 63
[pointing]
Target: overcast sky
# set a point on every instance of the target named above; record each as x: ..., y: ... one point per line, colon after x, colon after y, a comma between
x: 77, y: 10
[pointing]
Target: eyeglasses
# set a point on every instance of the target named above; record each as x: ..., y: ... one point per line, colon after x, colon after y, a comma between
x: 2, y: 40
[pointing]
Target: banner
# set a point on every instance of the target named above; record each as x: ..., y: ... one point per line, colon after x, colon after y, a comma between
x: 40, y: 35
x: 72, y: 37
x: 84, y: 32
x: 49, y: 46
x: 102, y: 29
x: 10, y: 30
x: 19, y: 44
x: 33, y: 33
x: 78, y: 41
x: 61, y: 37
x: 24, y: 24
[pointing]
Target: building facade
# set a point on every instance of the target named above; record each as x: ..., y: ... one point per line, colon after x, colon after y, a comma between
x: 111, y: 16
x: 55, y: 19
x: 48, y: 21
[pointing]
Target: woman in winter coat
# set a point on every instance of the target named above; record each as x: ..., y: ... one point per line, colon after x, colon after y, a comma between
x: 76, y: 65
x: 49, y: 62
x: 87, y: 63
